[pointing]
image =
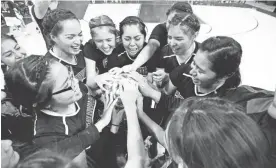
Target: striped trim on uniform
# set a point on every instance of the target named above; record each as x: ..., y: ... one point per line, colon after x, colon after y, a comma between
x: 173, y: 55
x: 121, y: 53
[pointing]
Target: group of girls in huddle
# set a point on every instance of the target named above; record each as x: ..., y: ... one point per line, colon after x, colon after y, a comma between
x: 60, y: 93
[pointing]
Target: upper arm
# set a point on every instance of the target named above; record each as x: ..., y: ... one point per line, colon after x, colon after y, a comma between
x: 90, y: 67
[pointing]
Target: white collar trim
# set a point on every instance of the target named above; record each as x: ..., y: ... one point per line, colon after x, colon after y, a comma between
x: 60, y: 59
x: 51, y: 113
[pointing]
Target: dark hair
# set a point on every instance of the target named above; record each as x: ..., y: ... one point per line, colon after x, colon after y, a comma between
x: 214, y: 133
x: 46, y: 159
x: 100, y: 21
x: 28, y: 81
x: 6, y: 37
x: 187, y: 22
x: 225, y: 55
x: 52, y: 22
x: 133, y: 20
x: 180, y: 7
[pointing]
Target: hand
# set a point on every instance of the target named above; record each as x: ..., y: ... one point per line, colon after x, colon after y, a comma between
x: 115, y: 71
x: 160, y: 76
x: 109, y: 103
x: 117, y: 116
x: 104, y: 79
x: 128, y: 92
x: 143, y: 85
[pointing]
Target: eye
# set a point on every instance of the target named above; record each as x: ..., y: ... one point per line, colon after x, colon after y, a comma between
x: 137, y: 38
x: 170, y: 37
x: 70, y: 37
x: 126, y: 39
x: 17, y: 47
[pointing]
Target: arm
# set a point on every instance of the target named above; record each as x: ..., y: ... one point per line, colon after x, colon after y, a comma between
x: 169, y: 88
x: 91, y: 73
x: 146, y: 53
x: 41, y: 7
x: 135, y: 144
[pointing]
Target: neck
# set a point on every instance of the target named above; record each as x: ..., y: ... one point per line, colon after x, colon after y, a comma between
x: 69, y: 109
x: 185, y: 56
x: 212, y: 88
x: 64, y: 56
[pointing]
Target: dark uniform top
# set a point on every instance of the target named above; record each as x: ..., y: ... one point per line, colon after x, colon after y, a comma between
x: 168, y: 59
x: 90, y: 51
x: 122, y: 58
x: 79, y: 69
x: 160, y: 34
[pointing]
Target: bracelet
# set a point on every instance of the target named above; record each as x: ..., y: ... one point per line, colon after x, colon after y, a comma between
x: 115, y: 125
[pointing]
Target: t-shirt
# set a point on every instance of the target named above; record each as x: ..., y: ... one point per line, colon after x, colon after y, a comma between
x: 160, y: 34
x: 90, y: 51
x: 79, y: 69
x: 39, y: 23
x: 168, y: 60
x: 122, y: 58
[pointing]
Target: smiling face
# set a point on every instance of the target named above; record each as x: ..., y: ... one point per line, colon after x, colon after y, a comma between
x: 66, y: 87
x: 104, y: 39
x: 9, y: 157
x: 178, y: 41
x: 133, y: 40
x: 11, y: 52
x: 69, y: 39
x: 201, y: 71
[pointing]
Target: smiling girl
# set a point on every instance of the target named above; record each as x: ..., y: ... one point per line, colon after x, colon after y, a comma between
x: 133, y: 34
x: 58, y: 104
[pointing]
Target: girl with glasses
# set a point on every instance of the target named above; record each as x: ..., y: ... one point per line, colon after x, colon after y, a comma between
x: 50, y: 90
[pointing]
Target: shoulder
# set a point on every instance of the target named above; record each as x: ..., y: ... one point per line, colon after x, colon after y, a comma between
x: 166, y: 51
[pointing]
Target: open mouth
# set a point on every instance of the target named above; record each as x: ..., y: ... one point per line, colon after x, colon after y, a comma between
x: 76, y: 47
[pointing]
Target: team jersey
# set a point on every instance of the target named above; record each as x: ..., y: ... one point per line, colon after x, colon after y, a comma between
x: 90, y: 51
x: 122, y: 58
x: 160, y: 34
x: 79, y: 69
x: 168, y: 60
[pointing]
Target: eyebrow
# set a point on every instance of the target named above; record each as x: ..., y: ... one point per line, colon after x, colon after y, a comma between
x: 6, y: 52
x: 198, y: 66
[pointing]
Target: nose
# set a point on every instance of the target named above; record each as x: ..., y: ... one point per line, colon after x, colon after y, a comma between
x: 79, y: 40
x: 192, y: 72
x: 132, y: 42
x: 105, y: 44
x: 19, y: 54
x: 172, y: 42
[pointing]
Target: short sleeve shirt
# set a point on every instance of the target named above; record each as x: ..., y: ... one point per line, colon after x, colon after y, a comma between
x: 168, y: 59
x: 122, y: 58
x: 160, y: 34
x: 91, y: 52
x: 79, y: 69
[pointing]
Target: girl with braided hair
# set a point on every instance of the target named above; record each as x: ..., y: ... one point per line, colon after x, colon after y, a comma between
x: 51, y: 92
x: 181, y: 48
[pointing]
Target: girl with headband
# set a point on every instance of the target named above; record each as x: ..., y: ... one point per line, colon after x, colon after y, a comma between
x: 100, y: 47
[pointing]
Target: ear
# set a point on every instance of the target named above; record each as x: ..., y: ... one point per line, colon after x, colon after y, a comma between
x: 53, y: 38
x: 35, y: 105
x: 196, y: 34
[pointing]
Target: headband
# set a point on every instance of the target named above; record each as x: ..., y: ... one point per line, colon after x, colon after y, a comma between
x: 105, y: 24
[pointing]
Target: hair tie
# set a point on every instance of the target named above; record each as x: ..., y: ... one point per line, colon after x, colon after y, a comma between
x: 105, y: 24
